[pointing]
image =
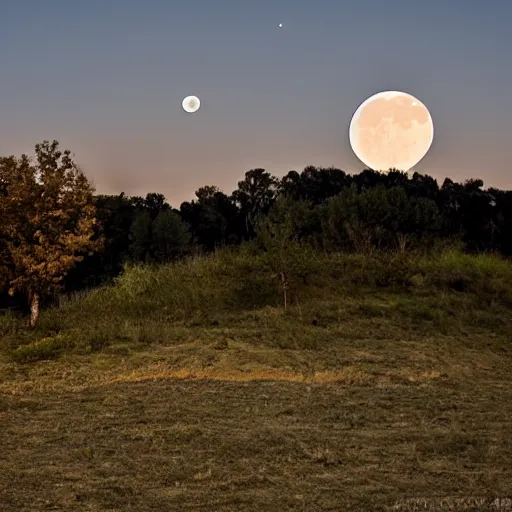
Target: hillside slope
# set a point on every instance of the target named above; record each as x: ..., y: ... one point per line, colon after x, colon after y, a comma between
x: 190, y: 387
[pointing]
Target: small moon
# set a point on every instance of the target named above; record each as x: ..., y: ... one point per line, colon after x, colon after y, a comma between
x: 191, y: 104
x: 391, y: 130
x: 280, y: 25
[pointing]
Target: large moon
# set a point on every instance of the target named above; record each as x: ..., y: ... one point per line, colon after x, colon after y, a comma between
x: 191, y: 104
x: 391, y: 130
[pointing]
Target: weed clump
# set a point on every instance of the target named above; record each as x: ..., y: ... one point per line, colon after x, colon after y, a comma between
x: 43, y: 349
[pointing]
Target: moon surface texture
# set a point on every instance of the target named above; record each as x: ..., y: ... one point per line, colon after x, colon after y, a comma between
x: 191, y: 104
x: 391, y: 130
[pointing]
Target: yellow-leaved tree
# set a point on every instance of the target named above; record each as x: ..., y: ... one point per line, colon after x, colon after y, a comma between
x: 47, y: 220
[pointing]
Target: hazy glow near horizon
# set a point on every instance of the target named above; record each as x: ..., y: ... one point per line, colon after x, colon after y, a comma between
x: 268, y: 97
x: 391, y: 130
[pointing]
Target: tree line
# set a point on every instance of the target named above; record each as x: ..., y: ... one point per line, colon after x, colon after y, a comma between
x: 57, y: 234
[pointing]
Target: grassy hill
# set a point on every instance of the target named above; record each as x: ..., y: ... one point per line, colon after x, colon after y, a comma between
x: 191, y: 387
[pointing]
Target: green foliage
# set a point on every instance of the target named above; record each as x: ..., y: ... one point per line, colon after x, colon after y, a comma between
x: 171, y: 237
x: 387, y: 294
x: 140, y: 232
x: 162, y: 239
x: 51, y: 228
x: 379, y: 218
x: 42, y: 349
x: 289, y: 260
x: 254, y: 196
x: 487, y: 276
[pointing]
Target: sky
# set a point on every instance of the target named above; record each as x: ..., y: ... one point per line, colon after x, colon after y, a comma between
x: 106, y: 78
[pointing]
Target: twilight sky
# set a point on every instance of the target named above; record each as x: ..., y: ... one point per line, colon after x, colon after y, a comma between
x: 106, y: 79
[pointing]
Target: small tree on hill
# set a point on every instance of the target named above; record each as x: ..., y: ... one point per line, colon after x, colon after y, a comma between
x: 288, y: 259
x: 47, y: 220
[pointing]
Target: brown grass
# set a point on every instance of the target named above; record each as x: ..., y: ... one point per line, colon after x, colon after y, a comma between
x: 371, y: 401
x: 359, y: 427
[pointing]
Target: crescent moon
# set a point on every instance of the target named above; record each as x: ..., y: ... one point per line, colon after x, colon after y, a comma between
x: 191, y: 104
x: 391, y: 130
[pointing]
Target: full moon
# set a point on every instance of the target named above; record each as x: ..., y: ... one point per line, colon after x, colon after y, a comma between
x: 391, y: 130
x: 191, y: 104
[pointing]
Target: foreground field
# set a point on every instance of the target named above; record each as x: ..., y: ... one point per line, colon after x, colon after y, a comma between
x: 345, y: 401
x: 163, y: 444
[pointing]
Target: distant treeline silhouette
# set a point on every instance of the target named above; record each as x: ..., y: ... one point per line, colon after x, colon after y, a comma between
x: 331, y: 209
x: 325, y: 207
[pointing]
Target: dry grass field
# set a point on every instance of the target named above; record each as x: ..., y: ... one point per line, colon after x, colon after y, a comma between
x: 345, y: 401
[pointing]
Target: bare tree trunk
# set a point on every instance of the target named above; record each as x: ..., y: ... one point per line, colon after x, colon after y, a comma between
x: 34, y: 309
x: 285, y: 286
x: 402, y: 241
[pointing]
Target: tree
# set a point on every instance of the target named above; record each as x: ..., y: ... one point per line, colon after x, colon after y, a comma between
x: 171, y: 237
x: 314, y: 185
x: 423, y: 186
x: 254, y: 196
x: 369, y: 179
x: 342, y: 223
x: 140, y: 236
x: 213, y: 218
x: 379, y: 218
x: 396, y: 178
x: 288, y: 259
x: 413, y: 220
x: 155, y: 203
x: 114, y: 214
x: 47, y: 220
